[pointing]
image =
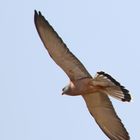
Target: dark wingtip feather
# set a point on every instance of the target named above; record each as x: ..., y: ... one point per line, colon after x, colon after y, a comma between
x: 35, y: 15
x: 35, y: 12
x: 127, y: 96
x: 40, y: 13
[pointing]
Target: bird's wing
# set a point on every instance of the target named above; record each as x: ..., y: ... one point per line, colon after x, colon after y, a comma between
x: 100, y: 107
x: 58, y: 50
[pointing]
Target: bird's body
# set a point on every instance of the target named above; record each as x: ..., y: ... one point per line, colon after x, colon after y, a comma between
x: 82, y: 87
x: 94, y: 90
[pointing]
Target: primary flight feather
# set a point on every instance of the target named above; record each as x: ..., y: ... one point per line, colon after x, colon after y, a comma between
x: 95, y: 90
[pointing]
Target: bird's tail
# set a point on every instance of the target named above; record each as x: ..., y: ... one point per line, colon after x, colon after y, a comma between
x: 113, y: 87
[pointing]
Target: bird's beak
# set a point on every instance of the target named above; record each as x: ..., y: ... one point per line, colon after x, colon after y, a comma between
x: 64, y: 90
x: 63, y: 93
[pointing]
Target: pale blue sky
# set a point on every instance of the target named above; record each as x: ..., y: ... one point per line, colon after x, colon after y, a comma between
x: 104, y: 35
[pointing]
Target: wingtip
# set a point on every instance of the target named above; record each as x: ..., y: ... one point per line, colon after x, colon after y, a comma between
x: 35, y: 16
x: 37, y: 13
x: 40, y: 13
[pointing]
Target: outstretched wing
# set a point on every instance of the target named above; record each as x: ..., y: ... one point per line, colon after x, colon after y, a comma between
x: 58, y: 50
x: 100, y: 107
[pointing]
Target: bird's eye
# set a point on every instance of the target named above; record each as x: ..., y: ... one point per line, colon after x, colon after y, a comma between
x: 63, y: 89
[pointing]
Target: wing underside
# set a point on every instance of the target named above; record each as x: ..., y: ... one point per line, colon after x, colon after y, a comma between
x: 58, y: 50
x: 100, y: 107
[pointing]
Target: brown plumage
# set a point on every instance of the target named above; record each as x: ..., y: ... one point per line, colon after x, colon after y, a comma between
x: 95, y: 90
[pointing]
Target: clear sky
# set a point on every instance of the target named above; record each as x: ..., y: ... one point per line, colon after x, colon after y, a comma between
x: 104, y: 35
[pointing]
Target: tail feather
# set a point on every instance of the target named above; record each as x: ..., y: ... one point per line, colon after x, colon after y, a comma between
x: 115, y: 89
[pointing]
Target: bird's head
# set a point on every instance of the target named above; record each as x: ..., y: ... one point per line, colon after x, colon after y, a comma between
x: 65, y: 90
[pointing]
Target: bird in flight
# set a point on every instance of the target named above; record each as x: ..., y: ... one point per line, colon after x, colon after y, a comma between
x: 94, y: 90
